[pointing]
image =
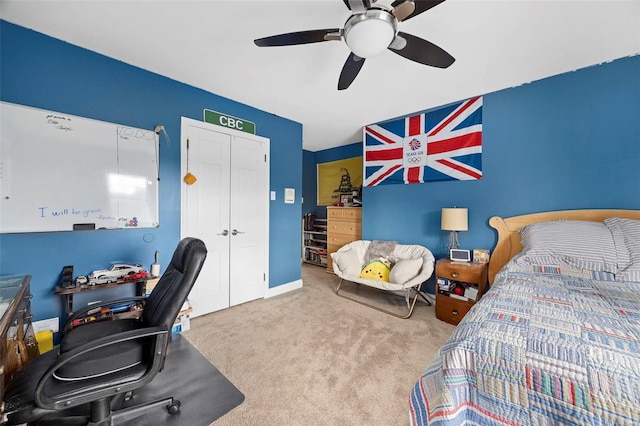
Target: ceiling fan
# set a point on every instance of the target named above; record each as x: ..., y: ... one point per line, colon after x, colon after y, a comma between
x: 368, y: 32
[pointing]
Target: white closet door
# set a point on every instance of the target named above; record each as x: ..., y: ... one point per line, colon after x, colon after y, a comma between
x: 248, y: 220
x: 227, y: 207
x: 207, y: 216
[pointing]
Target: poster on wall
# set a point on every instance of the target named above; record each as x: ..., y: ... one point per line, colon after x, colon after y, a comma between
x: 443, y: 144
x: 337, y: 179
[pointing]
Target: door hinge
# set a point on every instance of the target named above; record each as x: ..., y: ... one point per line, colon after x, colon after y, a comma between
x: 264, y: 277
x: 187, y: 143
x: 265, y: 158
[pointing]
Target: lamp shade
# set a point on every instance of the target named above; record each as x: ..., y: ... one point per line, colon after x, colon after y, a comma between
x: 454, y: 219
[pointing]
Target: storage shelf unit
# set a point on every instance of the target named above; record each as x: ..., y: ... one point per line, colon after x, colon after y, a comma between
x: 314, y: 242
x: 106, y: 314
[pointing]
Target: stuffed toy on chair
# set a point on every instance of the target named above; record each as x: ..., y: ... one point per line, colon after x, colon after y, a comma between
x: 377, y: 269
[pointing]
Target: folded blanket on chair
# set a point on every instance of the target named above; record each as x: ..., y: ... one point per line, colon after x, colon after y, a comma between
x: 378, y: 249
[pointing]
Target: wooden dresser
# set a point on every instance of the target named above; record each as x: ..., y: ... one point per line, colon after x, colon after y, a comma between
x: 18, y: 339
x: 344, y: 224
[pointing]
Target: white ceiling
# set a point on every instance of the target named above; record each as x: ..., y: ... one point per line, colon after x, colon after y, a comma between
x: 209, y: 45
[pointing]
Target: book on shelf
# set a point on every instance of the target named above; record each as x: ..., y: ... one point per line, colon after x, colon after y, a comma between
x: 455, y: 296
x: 471, y: 293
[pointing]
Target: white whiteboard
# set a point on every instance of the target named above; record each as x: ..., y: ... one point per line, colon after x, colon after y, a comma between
x: 57, y: 170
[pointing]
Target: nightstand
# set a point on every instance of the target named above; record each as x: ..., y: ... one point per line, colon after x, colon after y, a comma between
x: 469, y: 276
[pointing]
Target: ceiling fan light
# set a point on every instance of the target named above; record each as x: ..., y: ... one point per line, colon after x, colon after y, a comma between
x: 369, y: 34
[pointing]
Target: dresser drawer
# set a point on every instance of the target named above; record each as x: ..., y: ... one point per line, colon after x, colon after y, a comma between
x: 341, y: 239
x: 345, y: 227
x: 332, y: 248
x: 354, y: 213
x: 451, y: 310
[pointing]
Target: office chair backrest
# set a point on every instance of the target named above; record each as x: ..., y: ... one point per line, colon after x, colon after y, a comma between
x: 168, y: 296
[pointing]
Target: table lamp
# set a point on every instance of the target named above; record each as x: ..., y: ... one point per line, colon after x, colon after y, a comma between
x: 454, y: 220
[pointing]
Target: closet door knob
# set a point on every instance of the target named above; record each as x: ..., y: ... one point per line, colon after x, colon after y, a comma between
x: 224, y: 233
x: 236, y: 232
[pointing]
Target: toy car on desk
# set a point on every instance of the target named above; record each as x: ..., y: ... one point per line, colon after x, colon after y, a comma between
x: 107, y: 280
x: 116, y: 271
x: 137, y: 276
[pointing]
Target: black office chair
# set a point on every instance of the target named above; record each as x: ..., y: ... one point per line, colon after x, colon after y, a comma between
x: 99, y: 364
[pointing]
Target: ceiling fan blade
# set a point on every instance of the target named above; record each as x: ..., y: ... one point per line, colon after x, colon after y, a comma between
x: 358, y: 6
x: 421, y: 6
x: 300, y: 37
x: 350, y: 70
x: 421, y: 51
x: 403, y: 10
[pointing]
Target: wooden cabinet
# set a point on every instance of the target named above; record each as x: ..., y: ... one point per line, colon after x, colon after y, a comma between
x: 344, y: 224
x: 470, y: 277
x: 18, y: 340
x: 314, y: 242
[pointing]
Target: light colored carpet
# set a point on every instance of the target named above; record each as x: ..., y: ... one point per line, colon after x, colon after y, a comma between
x: 309, y: 357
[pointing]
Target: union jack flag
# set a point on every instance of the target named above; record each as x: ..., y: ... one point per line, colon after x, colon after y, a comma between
x: 444, y: 144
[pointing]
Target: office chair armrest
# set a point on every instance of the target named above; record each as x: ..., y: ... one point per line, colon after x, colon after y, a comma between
x: 82, y: 312
x: 96, y: 390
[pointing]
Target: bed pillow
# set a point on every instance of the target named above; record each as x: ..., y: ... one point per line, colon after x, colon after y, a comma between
x: 347, y: 261
x: 582, y: 244
x: 405, y: 270
x: 626, y: 236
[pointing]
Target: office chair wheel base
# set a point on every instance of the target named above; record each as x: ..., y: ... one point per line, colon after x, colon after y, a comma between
x: 174, y: 407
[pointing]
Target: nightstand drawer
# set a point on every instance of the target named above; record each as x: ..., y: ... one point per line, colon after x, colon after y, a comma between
x: 468, y: 273
x: 451, y: 310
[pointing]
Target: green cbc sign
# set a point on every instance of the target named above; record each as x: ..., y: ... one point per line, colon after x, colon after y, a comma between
x: 224, y: 120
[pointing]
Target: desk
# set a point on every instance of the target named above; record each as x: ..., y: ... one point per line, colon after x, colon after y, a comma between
x: 18, y: 341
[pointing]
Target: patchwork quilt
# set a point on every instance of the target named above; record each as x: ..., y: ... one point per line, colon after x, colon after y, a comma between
x: 544, y: 346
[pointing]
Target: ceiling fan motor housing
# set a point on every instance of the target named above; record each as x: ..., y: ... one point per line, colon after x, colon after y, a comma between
x: 370, y: 33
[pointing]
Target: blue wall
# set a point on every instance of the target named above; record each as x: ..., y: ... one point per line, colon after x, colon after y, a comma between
x: 42, y: 72
x: 570, y: 141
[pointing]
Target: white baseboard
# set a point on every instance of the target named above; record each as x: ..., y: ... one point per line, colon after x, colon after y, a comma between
x: 283, y: 288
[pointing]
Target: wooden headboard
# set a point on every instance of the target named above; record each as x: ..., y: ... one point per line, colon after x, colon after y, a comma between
x: 509, y: 240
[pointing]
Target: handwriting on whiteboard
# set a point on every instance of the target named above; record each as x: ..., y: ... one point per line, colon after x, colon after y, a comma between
x: 59, y: 122
x: 127, y: 133
x: 47, y: 212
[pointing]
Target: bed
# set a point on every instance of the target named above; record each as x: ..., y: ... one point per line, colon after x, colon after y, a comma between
x: 556, y: 339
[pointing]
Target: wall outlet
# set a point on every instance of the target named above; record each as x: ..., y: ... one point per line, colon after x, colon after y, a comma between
x: 52, y: 324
